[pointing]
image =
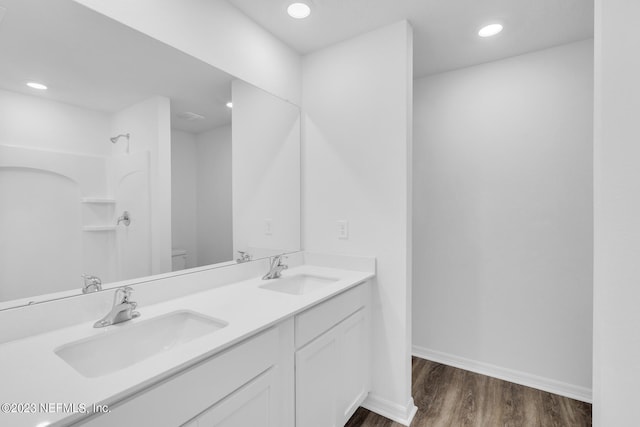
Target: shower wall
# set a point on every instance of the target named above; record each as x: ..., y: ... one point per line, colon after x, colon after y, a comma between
x: 62, y: 185
x: 51, y: 156
x: 149, y: 123
x: 38, y: 224
x: 129, y: 184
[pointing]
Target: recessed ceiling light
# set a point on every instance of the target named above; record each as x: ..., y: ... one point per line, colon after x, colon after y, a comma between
x: 34, y: 85
x: 298, y: 10
x: 230, y: 104
x: 490, y: 30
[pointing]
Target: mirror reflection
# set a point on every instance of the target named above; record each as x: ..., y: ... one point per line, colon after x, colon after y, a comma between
x: 121, y: 158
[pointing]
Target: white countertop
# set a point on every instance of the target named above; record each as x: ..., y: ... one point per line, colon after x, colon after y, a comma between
x: 31, y: 373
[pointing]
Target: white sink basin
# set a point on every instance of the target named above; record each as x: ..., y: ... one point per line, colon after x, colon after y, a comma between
x: 125, y: 344
x: 298, y: 284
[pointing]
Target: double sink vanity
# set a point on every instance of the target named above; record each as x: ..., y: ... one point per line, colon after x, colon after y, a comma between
x: 250, y: 350
x: 145, y: 189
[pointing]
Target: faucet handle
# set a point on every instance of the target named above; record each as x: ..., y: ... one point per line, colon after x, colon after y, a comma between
x: 91, y: 283
x: 275, y: 260
x: 126, y: 294
x: 127, y: 290
x: 244, y: 256
x: 134, y: 313
x: 91, y: 280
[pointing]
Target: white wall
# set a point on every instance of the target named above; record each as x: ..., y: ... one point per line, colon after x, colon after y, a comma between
x: 214, y: 198
x: 503, y: 218
x: 217, y: 33
x: 201, y: 195
x: 184, y: 195
x: 617, y: 213
x: 37, y: 122
x: 357, y: 146
x: 266, y: 171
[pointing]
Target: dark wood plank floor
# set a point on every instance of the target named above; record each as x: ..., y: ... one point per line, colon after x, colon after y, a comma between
x: 451, y: 397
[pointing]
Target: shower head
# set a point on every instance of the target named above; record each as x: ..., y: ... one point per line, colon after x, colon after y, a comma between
x: 116, y: 138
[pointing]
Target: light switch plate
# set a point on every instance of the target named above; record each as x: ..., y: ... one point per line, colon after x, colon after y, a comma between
x: 343, y: 229
x: 268, y: 226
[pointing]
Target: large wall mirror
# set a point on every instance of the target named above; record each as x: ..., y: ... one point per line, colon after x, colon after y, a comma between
x: 136, y: 160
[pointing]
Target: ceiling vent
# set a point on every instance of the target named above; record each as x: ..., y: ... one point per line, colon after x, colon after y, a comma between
x: 188, y: 115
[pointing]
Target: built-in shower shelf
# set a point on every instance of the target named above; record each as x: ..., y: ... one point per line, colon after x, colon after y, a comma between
x: 99, y: 228
x: 99, y: 200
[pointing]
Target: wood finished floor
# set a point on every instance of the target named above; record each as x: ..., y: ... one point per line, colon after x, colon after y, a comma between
x: 451, y: 397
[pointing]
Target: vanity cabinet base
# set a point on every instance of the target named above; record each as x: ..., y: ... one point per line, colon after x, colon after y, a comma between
x: 332, y: 370
x: 246, y: 382
x: 312, y: 370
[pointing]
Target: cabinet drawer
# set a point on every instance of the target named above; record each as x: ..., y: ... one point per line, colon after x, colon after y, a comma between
x: 317, y: 320
x: 175, y: 401
x: 251, y: 406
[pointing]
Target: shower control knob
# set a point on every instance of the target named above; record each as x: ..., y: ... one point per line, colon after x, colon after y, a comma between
x: 124, y: 218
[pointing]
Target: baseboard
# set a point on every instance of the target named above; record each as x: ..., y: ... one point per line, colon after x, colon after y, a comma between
x: 546, y: 384
x: 398, y: 413
x: 355, y: 405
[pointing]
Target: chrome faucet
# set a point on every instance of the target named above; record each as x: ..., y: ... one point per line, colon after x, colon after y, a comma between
x: 121, y: 311
x: 275, y: 271
x: 91, y: 284
x: 244, y: 257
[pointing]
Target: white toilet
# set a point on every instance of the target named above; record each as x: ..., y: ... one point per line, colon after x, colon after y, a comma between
x: 178, y: 259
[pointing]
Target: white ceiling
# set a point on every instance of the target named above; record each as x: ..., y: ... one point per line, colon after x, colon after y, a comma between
x: 93, y: 62
x: 445, y: 31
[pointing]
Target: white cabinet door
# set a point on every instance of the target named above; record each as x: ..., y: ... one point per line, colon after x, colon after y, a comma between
x: 317, y: 371
x: 252, y: 405
x: 354, y: 358
x: 332, y: 374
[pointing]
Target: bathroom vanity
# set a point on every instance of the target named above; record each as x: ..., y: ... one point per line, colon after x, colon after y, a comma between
x: 282, y: 352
